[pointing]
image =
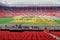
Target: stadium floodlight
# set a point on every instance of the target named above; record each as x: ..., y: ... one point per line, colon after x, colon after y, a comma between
x: 31, y: 2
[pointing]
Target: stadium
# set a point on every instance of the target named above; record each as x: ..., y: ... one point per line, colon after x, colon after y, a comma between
x: 29, y: 20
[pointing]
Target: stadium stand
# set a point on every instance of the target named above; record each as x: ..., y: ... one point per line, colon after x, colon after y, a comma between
x: 10, y: 21
x: 26, y: 35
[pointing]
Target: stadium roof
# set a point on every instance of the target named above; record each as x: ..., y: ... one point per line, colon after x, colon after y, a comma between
x: 20, y: 3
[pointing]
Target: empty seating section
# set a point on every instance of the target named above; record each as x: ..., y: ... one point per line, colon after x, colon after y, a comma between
x: 45, y: 36
x: 56, y: 33
x: 26, y: 35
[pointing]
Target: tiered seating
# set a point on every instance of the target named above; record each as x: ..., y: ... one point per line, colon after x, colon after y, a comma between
x: 29, y: 13
x: 26, y: 35
x: 45, y: 36
x: 2, y: 14
x: 6, y: 35
x: 56, y: 33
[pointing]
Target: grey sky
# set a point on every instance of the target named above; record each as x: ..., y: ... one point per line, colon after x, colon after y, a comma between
x: 31, y: 2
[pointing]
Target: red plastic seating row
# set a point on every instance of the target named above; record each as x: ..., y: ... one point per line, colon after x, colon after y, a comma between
x: 26, y: 35
x: 56, y: 33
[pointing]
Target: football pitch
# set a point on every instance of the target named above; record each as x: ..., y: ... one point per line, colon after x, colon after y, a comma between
x: 29, y: 20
